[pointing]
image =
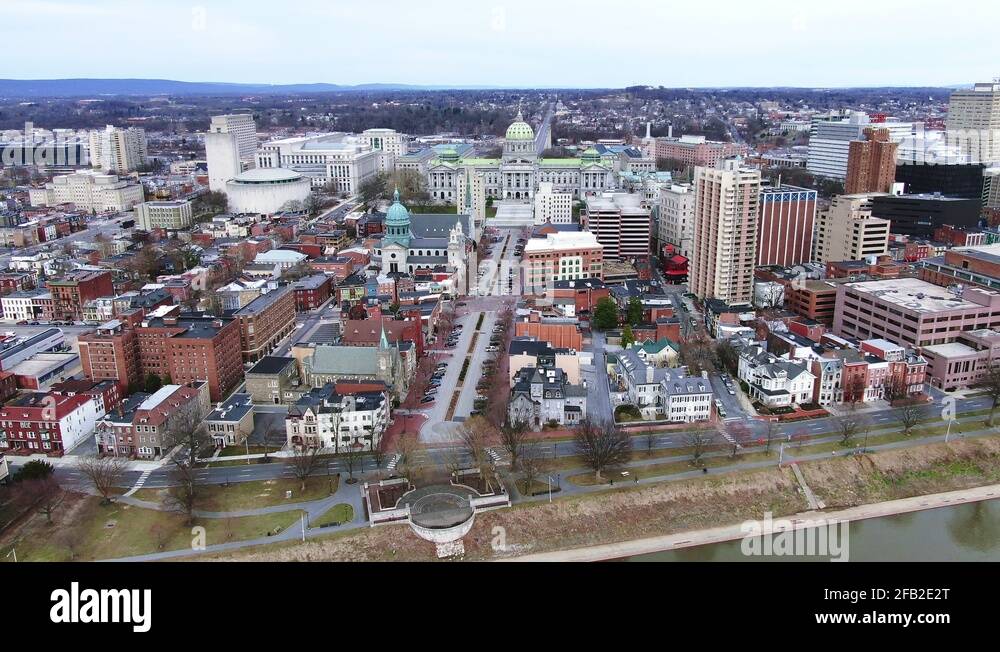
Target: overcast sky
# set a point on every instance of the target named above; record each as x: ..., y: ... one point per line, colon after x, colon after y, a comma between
x: 532, y: 43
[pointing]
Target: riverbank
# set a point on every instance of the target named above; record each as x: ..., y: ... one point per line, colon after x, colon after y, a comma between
x: 734, y: 532
x: 673, y: 508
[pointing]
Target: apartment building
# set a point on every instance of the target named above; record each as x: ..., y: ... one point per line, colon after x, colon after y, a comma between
x: 695, y: 150
x: 265, y: 321
x: 71, y: 292
x: 964, y: 362
x: 848, y: 231
x: 725, y: 231
x: 871, y: 162
x: 47, y: 423
x: 561, y: 256
x: 118, y: 150
x: 181, y: 348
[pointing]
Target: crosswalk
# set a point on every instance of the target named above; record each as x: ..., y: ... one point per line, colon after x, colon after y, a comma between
x: 393, y: 461
x: 140, y: 482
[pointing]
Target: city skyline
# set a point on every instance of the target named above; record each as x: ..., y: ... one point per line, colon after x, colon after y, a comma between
x: 515, y: 44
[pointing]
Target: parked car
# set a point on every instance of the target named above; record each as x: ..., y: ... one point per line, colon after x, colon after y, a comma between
x: 492, y: 349
x: 427, y: 399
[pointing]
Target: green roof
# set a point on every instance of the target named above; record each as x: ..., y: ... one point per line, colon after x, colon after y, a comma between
x: 559, y: 162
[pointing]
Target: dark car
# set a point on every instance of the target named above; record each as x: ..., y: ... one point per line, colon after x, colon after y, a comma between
x: 427, y: 399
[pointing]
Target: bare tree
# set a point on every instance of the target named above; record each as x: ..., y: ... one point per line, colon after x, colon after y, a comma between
x: 905, y: 409
x: 600, y: 444
x: 406, y: 448
x: 512, y: 439
x: 649, y: 437
x: 991, y: 383
x: 49, y: 495
x: 739, y: 436
x: 770, y: 430
x: 698, y: 440
x: 187, y: 431
x: 305, y: 463
x: 848, y: 427
x: 104, y: 473
x: 182, y: 496
x: 854, y: 390
x: 532, y: 463
x: 352, y: 457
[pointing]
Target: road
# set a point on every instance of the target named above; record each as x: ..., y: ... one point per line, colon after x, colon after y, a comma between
x: 541, y: 136
x: 598, y: 389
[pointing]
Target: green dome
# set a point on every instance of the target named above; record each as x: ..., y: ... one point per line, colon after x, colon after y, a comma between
x: 591, y: 154
x: 397, y: 215
x: 448, y: 154
x: 520, y: 130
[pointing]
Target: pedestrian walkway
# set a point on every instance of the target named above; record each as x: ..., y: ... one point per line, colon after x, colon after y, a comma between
x: 140, y: 482
x: 814, y: 503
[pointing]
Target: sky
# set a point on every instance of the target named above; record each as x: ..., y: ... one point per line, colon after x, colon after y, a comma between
x: 512, y: 43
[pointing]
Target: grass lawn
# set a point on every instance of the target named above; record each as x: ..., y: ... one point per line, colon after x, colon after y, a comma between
x: 231, y: 451
x: 85, y: 530
x: 342, y: 513
x: 538, y: 487
x: 249, y: 495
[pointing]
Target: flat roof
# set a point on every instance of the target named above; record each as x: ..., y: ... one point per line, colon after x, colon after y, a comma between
x: 913, y: 294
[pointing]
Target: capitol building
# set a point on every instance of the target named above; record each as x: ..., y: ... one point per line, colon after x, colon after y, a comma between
x: 517, y: 174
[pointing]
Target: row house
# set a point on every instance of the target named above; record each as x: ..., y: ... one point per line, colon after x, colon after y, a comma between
x: 46, y: 423
x: 147, y: 426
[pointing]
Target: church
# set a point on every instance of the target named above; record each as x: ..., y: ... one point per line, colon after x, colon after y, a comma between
x: 518, y: 173
x: 426, y: 241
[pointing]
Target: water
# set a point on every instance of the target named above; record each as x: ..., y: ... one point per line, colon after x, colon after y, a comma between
x: 969, y: 532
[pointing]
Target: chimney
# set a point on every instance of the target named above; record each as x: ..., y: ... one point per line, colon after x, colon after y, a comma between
x: 649, y: 373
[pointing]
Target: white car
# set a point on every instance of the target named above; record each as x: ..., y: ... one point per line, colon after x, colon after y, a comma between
x: 491, y: 349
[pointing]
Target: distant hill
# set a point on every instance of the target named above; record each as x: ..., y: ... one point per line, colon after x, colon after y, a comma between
x: 93, y: 87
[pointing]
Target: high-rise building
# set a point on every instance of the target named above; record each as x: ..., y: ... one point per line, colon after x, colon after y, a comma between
x: 243, y: 127
x: 561, y: 256
x: 966, y: 180
x: 847, y: 231
x: 921, y: 215
x: 725, y: 231
x: 871, y: 163
x: 974, y: 121
x: 118, y: 150
x: 785, y: 227
x: 551, y: 206
x: 621, y: 223
x: 230, y: 147
x: 830, y: 142
x: 676, y: 225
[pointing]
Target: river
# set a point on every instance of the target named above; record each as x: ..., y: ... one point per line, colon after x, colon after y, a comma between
x: 969, y: 532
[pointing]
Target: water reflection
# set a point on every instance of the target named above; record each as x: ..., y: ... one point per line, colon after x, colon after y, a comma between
x: 968, y: 532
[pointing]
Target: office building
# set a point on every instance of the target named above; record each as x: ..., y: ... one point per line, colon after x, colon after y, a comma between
x: 167, y: 215
x: 830, y: 142
x: 920, y: 215
x: 551, y: 206
x: 561, y: 256
x: 622, y: 224
x: 974, y: 122
x: 911, y: 312
x: 676, y: 223
x: 89, y: 191
x: 785, y: 226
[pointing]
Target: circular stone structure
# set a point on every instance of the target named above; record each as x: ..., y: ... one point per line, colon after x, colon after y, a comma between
x: 441, y: 514
x: 266, y: 190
